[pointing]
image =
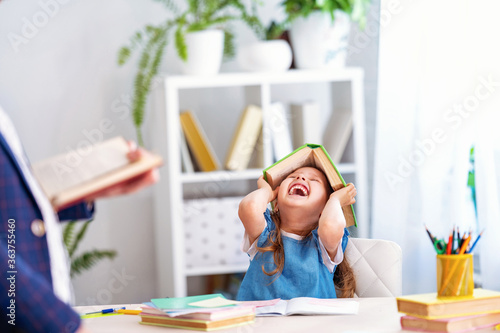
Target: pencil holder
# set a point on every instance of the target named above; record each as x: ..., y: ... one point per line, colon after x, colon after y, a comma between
x: 455, y: 275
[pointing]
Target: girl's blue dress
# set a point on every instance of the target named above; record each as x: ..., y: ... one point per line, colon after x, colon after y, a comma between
x: 304, y: 273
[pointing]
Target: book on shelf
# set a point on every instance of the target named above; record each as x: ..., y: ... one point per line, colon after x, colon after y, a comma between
x: 244, y: 139
x: 309, y: 306
x: 310, y: 155
x: 337, y: 136
x: 186, y: 160
x: 306, y: 120
x: 279, y: 127
x: 453, y: 324
x: 69, y: 178
x: 198, y: 142
x: 429, y: 306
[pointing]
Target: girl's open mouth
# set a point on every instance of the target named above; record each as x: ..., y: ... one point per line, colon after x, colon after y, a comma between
x: 298, y: 189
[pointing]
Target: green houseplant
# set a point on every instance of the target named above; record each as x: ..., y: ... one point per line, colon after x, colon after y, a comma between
x: 356, y: 9
x: 86, y: 260
x: 319, y: 30
x: 153, y: 39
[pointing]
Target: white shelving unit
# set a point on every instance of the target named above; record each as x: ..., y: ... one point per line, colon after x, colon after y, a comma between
x: 169, y: 196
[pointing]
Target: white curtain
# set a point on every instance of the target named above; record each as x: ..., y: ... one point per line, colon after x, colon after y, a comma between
x: 439, y: 94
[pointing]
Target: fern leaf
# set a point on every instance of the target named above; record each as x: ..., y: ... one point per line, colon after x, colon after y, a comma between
x: 68, y: 233
x: 180, y: 44
x: 78, y: 238
x: 89, y: 259
x: 123, y: 55
x: 229, y: 49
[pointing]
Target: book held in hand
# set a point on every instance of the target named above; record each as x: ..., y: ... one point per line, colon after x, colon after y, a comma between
x: 310, y: 155
x: 69, y: 178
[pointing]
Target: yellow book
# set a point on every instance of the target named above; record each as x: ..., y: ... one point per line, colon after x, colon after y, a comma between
x: 198, y: 325
x: 310, y: 155
x: 454, y: 324
x: 198, y: 142
x: 244, y: 139
x: 429, y: 306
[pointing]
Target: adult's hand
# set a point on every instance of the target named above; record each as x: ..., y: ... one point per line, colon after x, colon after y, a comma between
x: 132, y: 185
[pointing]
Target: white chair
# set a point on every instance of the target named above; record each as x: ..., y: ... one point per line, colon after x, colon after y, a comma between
x: 377, y: 266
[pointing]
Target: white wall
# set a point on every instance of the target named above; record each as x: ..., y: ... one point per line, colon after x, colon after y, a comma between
x: 60, y: 83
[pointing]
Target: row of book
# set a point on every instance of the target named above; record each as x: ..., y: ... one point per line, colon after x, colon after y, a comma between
x: 214, y: 311
x: 430, y: 313
x: 288, y: 130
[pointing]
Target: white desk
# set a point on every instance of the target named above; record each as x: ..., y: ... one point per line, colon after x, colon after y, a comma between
x: 375, y: 315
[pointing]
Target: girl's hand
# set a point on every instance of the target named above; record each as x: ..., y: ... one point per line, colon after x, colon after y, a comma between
x: 262, y: 184
x: 346, y: 195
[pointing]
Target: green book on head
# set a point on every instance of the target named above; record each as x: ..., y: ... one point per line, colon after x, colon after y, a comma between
x: 310, y: 155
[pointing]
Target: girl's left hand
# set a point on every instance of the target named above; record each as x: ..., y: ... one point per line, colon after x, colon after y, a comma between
x: 345, y: 196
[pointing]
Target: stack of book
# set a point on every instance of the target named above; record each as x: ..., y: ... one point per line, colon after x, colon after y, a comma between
x: 427, y: 312
x: 203, y: 312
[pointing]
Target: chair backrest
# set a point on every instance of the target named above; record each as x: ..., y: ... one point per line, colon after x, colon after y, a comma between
x: 377, y: 266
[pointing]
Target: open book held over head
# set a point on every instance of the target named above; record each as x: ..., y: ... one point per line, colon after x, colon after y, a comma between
x: 68, y: 178
x: 310, y: 155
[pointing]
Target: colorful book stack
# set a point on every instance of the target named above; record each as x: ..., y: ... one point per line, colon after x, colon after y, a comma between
x: 202, y: 313
x: 427, y: 312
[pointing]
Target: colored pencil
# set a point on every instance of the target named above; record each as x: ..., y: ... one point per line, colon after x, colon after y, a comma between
x: 475, y: 242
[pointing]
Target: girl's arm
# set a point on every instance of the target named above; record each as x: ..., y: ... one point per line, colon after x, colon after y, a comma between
x: 252, y: 207
x: 332, y: 220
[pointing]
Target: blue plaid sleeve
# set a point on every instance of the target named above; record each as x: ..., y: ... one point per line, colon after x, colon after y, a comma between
x: 35, y: 307
x: 81, y: 211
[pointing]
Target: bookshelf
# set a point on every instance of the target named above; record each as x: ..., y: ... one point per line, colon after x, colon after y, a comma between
x: 343, y: 85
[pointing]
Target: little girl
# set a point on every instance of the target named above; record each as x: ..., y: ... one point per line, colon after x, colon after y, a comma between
x: 294, y: 250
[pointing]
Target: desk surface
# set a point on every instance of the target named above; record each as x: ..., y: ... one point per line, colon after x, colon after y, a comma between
x: 375, y: 315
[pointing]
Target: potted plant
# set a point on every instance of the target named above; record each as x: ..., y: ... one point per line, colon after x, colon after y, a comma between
x: 269, y: 54
x: 200, y: 19
x: 319, y: 30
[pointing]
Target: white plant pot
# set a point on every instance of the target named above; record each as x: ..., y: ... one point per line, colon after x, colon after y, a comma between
x: 265, y: 56
x: 318, y: 42
x: 204, y: 50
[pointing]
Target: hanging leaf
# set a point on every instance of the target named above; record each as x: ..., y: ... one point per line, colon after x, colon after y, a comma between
x: 88, y: 259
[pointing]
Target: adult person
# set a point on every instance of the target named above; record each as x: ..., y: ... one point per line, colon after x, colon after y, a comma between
x: 35, y: 283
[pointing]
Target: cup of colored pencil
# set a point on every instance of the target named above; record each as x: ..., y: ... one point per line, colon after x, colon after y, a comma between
x: 454, y: 263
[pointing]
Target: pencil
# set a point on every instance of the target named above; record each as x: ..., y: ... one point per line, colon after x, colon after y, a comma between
x: 430, y: 235
x: 475, y: 242
x: 450, y: 243
x: 464, y: 245
x: 129, y: 312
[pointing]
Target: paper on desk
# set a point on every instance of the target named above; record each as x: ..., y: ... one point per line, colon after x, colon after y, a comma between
x: 215, y: 302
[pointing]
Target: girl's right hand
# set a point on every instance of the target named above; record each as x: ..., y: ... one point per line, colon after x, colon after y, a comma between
x: 262, y: 184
